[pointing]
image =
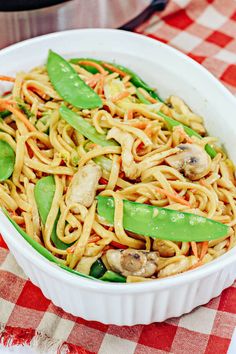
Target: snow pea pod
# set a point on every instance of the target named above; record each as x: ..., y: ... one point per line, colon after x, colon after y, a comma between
x: 7, y: 160
x: 69, y: 85
x: 113, y: 277
x: 5, y: 113
x: 98, y: 269
x: 162, y: 223
x: 134, y: 78
x: 44, y: 192
x: 173, y: 123
x: 84, y: 127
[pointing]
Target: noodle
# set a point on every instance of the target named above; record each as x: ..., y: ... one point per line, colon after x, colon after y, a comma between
x: 140, y: 169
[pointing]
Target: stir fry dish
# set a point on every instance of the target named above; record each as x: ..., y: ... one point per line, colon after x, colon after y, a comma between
x: 108, y: 181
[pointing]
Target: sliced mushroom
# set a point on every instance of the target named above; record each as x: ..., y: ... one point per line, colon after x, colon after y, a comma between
x: 133, y: 262
x: 192, y: 160
x: 83, y: 185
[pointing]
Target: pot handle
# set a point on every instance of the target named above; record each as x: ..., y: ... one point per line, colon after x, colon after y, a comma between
x: 156, y: 5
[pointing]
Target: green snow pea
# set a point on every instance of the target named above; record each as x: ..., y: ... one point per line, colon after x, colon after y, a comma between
x: 173, y: 123
x: 44, y: 192
x: 5, y: 113
x: 98, y: 269
x: 84, y: 127
x: 69, y: 85
x: 162, y: 223
x: 7, y: 160
x: 141, y: 98
x: 113, y: 277
x: 134, y: 78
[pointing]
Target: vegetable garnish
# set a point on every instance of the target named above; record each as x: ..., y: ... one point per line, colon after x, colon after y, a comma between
x: 44, y: 192
x: 162, y: 223
x: 69, y: 85
x: 174, y: 123
x: 84, y: 127
x: 7, y: 160
x: 111, y: 67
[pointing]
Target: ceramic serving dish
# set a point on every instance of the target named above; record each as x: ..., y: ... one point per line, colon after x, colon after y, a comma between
x: 172, y: 73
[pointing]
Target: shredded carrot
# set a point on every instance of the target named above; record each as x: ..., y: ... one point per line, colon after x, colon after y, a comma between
x: 71, y: 249
x: 7, y: 78
x: 92, y: 63
x: 92, y: 145
x: 94, y: 239
x: 7, y: 105
x: 38, y: 91
x: 114, y: 69
x: 139, y: 125
x: 118, y: 245
x: 174, y: 197
x: 106, y: 248
x: 130, y: 114
x: 185, y: 136
x: 94, y: 79
x: 120, y: 96
x: 204, y: 249
x: 101, y: 85
x: 122, y: 174
x: 148, y: 131
x: 194, y: 249
x: 148, y: 96
x: 69, y: 177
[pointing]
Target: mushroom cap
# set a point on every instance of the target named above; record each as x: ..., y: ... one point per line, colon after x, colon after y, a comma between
x: 192, y: 160
x: 132, y: 262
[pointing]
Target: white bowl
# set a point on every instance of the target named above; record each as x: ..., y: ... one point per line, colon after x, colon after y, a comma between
x: 172, y: 73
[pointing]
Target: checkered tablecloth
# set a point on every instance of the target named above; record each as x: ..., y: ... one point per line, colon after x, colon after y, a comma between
x: 206, y: 31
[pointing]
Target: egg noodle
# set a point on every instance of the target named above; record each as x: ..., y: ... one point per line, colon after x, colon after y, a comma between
x: 137, y: 170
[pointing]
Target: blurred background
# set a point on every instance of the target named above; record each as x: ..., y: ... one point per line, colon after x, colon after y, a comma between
x: 22, y: 19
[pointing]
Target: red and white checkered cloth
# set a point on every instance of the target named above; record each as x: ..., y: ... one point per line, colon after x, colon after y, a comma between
x: 206, y: 31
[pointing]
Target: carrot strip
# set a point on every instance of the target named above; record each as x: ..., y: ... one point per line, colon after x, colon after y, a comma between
x: 94, y: 239
x: 148, y: 131
x: 120, y: 96
x: 101, y: 85
x: 94, y: 79
x: 95, y: 65
x: 7, y: 78
x: 114, y: 69
x: 174, y: 197
x: 204, y: 249
x: 119, y: 245
x: 130, y: 114
x: 194, y: 249
x: 38, y: 91
x: 147, y: 96
x: 71, y: 249
x: 7, y: 105
x: 139, y: 125
x: 106, y: 248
